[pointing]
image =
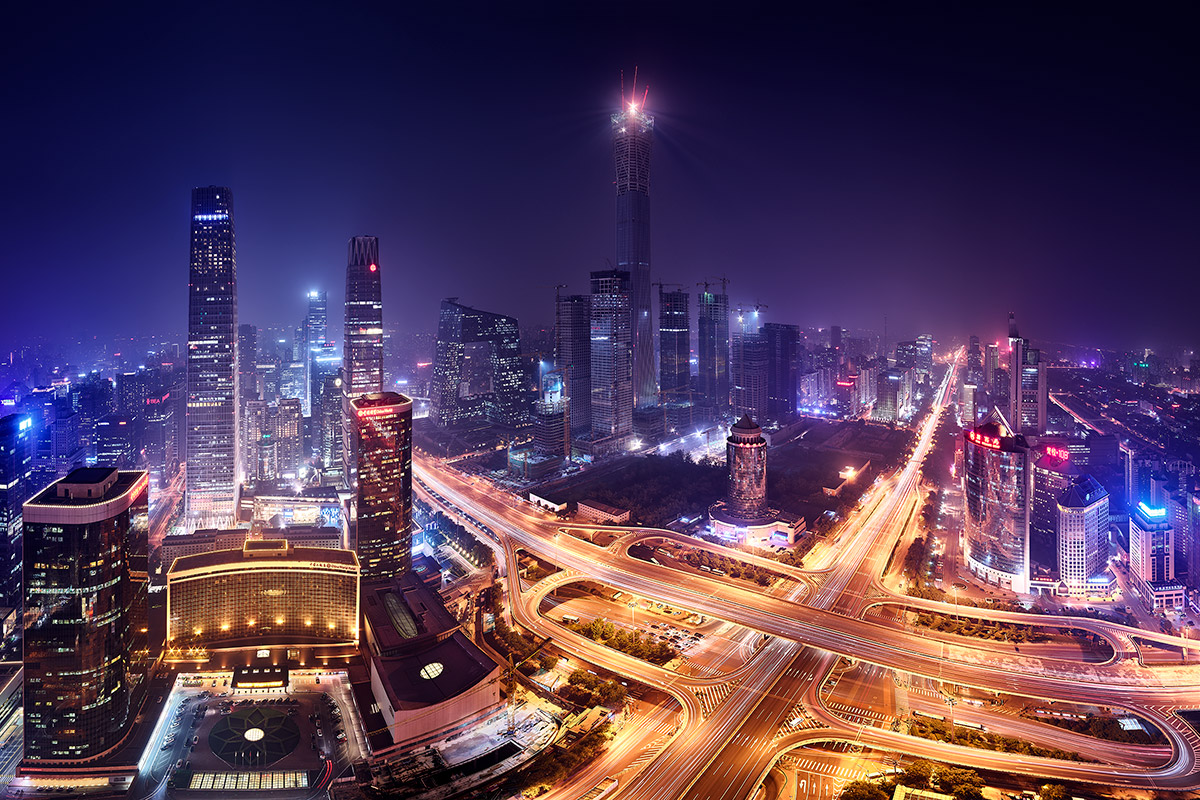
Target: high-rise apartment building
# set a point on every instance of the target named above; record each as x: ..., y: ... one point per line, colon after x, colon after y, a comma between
x: 362, y: 342
x: 997, y: 484
x: 383, y: 445
x: 573, y: 357
x: 782, y: 341
x: 16, y: 486
x: 477, y: 368
x: 1082, y: 533
x: 712, y: 327
x: 212, y: 360
x: 611, y: 354
x: 633, y: 137
x: 86, y: 661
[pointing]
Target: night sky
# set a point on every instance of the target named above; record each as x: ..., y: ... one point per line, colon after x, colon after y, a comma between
x: 937, y: 164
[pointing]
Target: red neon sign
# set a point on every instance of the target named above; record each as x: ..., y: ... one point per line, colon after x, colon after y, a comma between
x: 1058, y: 452
x: 381, y: 411
x: 987, y: 441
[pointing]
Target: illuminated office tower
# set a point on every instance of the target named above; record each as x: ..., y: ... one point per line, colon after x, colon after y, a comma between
x: 887, y: 396
x: 212, y: 359
x: 674, y: 368
x: 782, y: 341
x: 611, y: 375
x: 633, y: 137
x: 1027, y: 387
x: 362, y: 345
x: 996, y: 480
x: 1139, y: 466
x: 248, y: 388
x: 16, y: 485
x: 476, y: 368
x: 925, y: 353
x: 1053, y: 473
x: 748, y: 367
x: 991, y: 365
x: 746, y: 454
x: 383, y: 433
x: 1082, y: 533
x: 1152, y: 558
x: 315, y: 322
x: 287, y: 429
x: 86, y: 660
x: 573, y: 357
x: 324, y: 386
x: 712, y: 326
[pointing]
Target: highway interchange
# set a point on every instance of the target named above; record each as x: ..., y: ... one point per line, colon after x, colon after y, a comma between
x: 727, y: 753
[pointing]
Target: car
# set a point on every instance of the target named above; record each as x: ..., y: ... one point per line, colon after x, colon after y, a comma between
x: 195, y: 740
x: 179, y: 763
x: 341, y: 737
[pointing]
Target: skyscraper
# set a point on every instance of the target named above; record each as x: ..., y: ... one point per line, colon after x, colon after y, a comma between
x: 997, y: 486
x: 1053, y: 474
x: 633, y: 137
x: 746, y: 455
x: 1028, y: 390
x: 748, y: 367
x: 86, y: 660
x: 247, y: 363
x: 712, y: 326
x: 573, y: 357
x: 212, y: 360
x: 16, y: 485
x: 781, y: 341
x: 476, y: 368
x: 362, y: 344
x: 315, y: 324
x: 1152, y: 557
x: 674, y: 374
x: 383, y: 433
x: 1082, y: 533
x: 611, y: 375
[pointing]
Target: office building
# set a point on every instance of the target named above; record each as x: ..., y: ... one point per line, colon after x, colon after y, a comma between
x: 573, y: 357
x: 477, y: 373
x: 1027, y: 388
x: 748, y: 367
x: 887, y: 396
x: 1139, y: 466
x: 1053, y: 473
x: 1152, y: 558
x: 633, y: 137
x: 551, y: 432
x: 746, y: 455
x: 16, y: 486
x: 1082, y: 534
x: 782, y: 341
x: 86, y: 661
x: 925, y: 355
x: 611, y: 353
x: 991, y: 364
x: 325, y: 391
x: 712, y: 327
x: 212, y: 359
x: 997, y: 484
x: 674, y: 335
x: 115, y: 436
x: 247, y: 363
x: 287, y: 430
x: 383, y: 445
x: 268, y: 590
x: 315, y: 329
x: 362, y: 342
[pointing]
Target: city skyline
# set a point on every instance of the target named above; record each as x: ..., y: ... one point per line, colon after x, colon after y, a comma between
x: 1025, y: 161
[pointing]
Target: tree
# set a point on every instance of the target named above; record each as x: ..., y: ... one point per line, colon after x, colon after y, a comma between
x: 917, y: 774
x: 1054, y: 791
x: 863, y: 790
x: 964, y: 784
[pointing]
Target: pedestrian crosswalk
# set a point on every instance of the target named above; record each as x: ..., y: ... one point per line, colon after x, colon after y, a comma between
x: 648, y: 754
x: 712, y: 696
x: 860, y: 715
x: 822, y: 768
x: 798, y: 720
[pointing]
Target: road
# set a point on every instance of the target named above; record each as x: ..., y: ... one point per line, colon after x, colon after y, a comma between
x: 762, y: 695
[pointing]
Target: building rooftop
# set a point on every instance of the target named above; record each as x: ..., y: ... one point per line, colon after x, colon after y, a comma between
x: 746, y: 424
x: 1083, y: 492
x: 252, y: 557
x: 447, y: 668
x: 404, y: 615
x: 87, y: 486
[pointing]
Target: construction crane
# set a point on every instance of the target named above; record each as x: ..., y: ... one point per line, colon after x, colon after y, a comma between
x: 510, y: 683
x: 712, y: 281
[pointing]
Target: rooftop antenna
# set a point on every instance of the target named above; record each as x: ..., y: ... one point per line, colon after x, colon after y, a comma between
x: 622, y: 90
x: 633, y: 91
x: 645, y: 94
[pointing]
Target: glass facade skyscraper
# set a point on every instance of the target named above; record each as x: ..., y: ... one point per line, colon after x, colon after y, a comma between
x: 477, y: 368
x: 383, y: 432
x: 633, y: 137
x: 573, y: 357
x: 712, y: 326
x: 212, y: 365
x: 612, y: 385
x: 16, y: 485
x: 86, y: 651
x: 746, y: 455
x: 997, y: 484
x: 362, y: 345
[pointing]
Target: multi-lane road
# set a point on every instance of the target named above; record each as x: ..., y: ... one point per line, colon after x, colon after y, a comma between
x: 726, y: 751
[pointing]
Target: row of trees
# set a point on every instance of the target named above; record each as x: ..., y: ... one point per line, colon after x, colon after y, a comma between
x: 963, y: 784
x: 982, y: 629
x: 633, y: 644
x: 1107, y: 728
x: 941, y: 731
x: 441, y: 528
x: 556, y: 763
x: 732, y: 567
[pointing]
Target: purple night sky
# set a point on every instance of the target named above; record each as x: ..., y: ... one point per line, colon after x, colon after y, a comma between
x: 934, y: 163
